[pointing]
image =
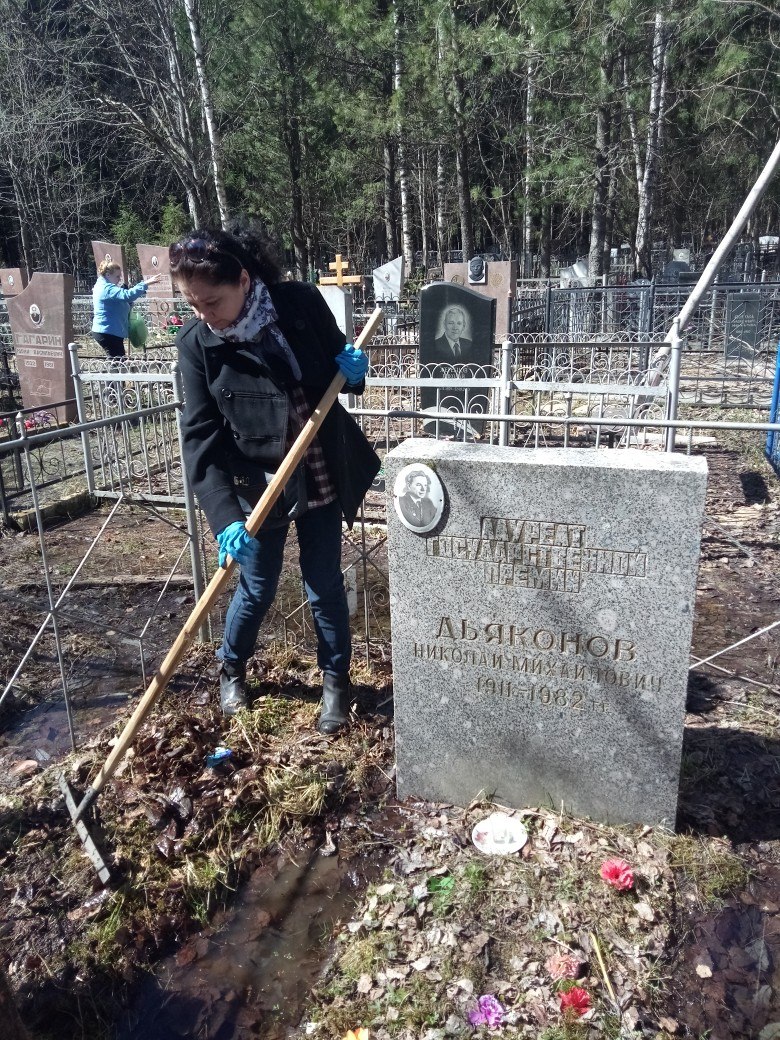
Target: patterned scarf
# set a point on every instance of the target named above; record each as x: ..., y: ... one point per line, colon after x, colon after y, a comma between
x: 256, y: 323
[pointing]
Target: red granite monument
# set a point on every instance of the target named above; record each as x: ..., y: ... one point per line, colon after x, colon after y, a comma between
x: 154, y: 261
x: 496, y: 279
x: 13, y: 280
x: 42, y: 326
x: 112, y: 252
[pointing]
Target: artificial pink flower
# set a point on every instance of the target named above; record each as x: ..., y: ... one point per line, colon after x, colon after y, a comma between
x: 618, y: 873
x: 576, y: 999
x: 488, y: 1013
x: 563, y: 966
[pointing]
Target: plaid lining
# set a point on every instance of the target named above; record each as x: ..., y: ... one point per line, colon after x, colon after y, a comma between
x: 321, y: 488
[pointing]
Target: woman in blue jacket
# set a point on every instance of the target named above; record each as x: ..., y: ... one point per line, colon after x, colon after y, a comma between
x: 111, y: 307
x: 255, y: 361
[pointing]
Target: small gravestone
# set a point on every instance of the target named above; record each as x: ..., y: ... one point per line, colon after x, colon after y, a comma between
x: 389, y: 280
x: 496, y: 279
x: 456, y: 339
x: 113, y: 253
x: 13, y: 280
x: 673, y: 270
x: 154, y: 261
x: 541, y: 624
x: 743, y: 324
x: 42, y: 326
x: 339, y: 303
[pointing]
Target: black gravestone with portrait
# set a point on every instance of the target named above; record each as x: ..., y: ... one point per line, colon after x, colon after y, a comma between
x: 456, y: 340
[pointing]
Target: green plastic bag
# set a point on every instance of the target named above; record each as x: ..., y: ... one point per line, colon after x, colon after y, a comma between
x: 137, y: 330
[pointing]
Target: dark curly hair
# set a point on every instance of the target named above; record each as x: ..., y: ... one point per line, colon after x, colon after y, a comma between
x: 218, y: 256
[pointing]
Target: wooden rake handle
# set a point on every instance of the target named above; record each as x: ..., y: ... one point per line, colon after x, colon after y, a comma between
x: 201, y: 609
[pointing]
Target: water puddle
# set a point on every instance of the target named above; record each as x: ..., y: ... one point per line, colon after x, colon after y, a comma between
x: 730, y: 975
x: 252, y: 976
x: 41, y: 734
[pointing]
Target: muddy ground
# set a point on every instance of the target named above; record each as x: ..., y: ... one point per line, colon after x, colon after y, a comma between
x: 285, y: 892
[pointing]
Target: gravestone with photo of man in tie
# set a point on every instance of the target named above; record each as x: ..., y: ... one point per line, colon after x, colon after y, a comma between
x: 457, y: 328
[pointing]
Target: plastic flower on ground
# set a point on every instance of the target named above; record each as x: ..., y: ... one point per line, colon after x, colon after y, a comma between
x: 563, y: 966
x: 488, y: 1013
x: 575, y: 999
x: 618, y: 873
x: 357, y: 1034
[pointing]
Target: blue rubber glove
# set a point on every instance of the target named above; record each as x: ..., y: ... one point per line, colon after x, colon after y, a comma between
x: 235, y: 540
x: 353, y: 364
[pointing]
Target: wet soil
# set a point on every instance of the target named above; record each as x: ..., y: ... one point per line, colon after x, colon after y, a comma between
x: 244, y: 964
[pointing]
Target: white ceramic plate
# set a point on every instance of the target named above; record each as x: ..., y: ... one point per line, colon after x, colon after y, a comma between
x: 499, y: 834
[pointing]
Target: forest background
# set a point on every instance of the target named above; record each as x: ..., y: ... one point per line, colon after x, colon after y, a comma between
x: 533, y: 129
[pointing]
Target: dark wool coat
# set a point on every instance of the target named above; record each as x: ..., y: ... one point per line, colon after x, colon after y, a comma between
x: 236, y: 408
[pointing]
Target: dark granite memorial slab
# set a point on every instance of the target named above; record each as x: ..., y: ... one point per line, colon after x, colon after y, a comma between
x: 500, y: 284
x: 743, y: 324
x: 110, y: 251
x: 541, y: 625
x: 456, y: 339
x: 13, y: 280
x: 42, y: 327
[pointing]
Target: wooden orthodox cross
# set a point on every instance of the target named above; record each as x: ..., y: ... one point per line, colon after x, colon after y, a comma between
x: 341, y: 278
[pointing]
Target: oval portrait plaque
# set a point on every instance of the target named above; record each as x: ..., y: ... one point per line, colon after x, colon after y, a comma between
x: 418, y: 497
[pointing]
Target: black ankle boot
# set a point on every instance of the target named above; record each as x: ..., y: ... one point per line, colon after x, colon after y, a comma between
x: 232, y: 687
x: 335, y: 703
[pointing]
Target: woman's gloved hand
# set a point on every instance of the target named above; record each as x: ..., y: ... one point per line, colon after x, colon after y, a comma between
x: 353, y: 364
x: 236, y: 541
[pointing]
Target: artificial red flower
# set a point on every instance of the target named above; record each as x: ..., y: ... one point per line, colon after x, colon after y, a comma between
x: 575, y: 999
x: 618, y: 873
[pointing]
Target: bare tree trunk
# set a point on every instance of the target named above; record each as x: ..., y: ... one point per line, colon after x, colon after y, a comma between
x: 403, y: 172
x: 421, y: 183
x: 528, y: 222
x: 647, y: 174
x: 453, y: 92
x: 292, y: 140
x: 598, y: 220
x: 215, y: 143
x: 441, y: 220
x: 391, y: 227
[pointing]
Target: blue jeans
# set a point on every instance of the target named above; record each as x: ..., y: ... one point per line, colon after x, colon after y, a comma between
x: 319, y: 541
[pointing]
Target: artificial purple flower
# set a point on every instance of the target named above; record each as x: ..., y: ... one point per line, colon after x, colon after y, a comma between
x: 489, y: 1013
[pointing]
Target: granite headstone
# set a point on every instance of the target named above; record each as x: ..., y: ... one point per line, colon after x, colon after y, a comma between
x: 743, y: 324
x: 112, y: 252
x: 154, y: 261
x: 339, y: 303
x: 42, y: 326
x: 496, y: 279
x: 389, y: 280
x: 541, y: 630
x: 456, y: 339
x: 13, y: 280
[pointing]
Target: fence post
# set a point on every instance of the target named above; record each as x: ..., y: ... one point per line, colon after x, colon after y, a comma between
x: 78, y: 389
x: 650, y: 310
x: 190, y: 508
x: 713, y: 310
x: 506, y: 390
x: 547, y: 308
x: 675, y: 364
